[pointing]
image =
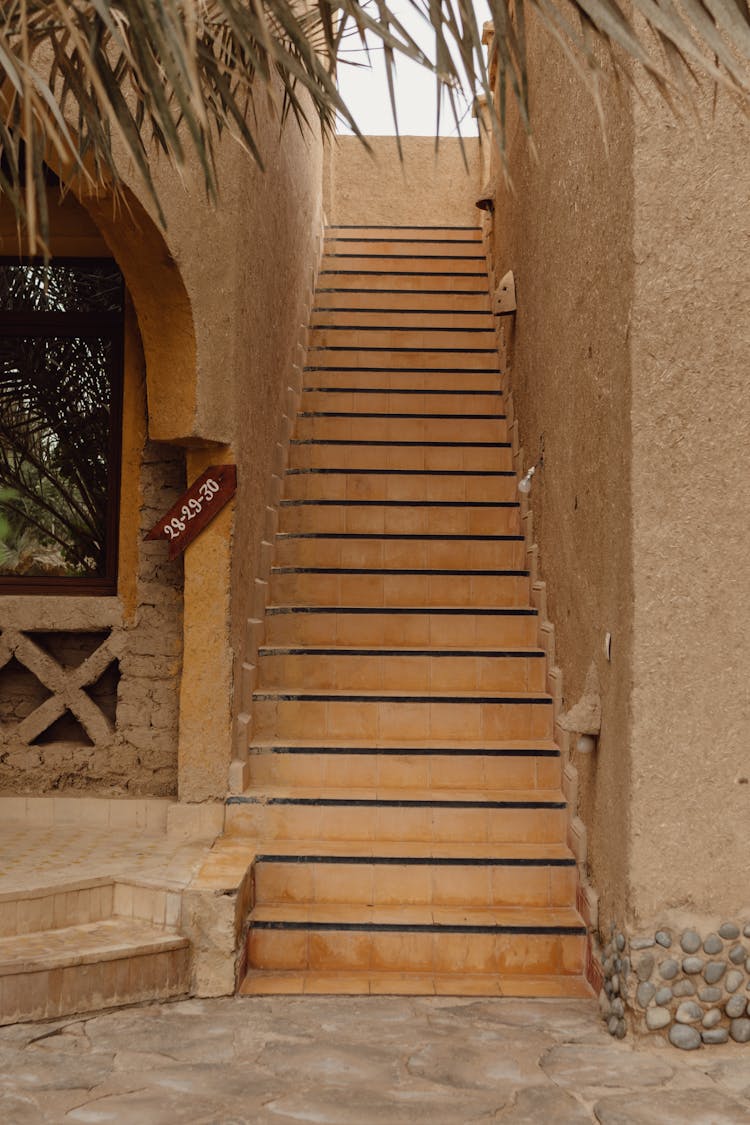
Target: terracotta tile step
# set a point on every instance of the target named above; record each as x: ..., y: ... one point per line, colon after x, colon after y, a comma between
x: 441, y: 940
x: 506, y: 553
x: 381, y: 381
x: 435, y: 246
x: 311, y: 983
x: 390, y: 484
x: 389, y: 587
x: 91, y: 966
x: 427, y: 233
x: 484, y: 881
x: 425, y: 318
x: 434, y: 299
x: 290, y: 713
x: 401, y: 668
x: 419, y: 626
x: 410, y: 266
x: 414, y: 455
x: 395, y: 428
x: 513, y: 816
x: 421, y: 337
x: 399, y: 358
x: 399, y: 516
x: 405, y: 400
x: 432, y: 766
x: 337, y: 277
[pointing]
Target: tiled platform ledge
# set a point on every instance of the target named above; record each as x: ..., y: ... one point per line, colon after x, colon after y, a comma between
x: 149, y: 815
x: 688, y: 984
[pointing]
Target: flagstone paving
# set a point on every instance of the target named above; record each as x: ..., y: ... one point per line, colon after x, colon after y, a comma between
x: 352, y: 1061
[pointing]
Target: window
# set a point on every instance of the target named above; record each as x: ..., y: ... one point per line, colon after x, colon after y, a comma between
x: 61, y: 359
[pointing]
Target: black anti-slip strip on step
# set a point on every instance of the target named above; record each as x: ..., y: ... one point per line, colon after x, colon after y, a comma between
x: 399, y: 570
x: 404, y: 273
x: 439, y: 611
x: 493, y: 654
x: 403, y: 472
x: 418, y: 928
x: 386, y: 803
x: 406, y: 444
x: 406, y: 257
x: 410, y: 241
x: 399, y: 391
x: 421, y: 416
x: 400, y: 312
x: 410, y: 751
x: 352, y: 697
x: 454, y: 370
x: 392, y: 226
x: 391, y: 350
x: 400, y: 503
x: 420, y: 861
x: 417, y: 536
x: 398, y: 328
x: 422, y: 292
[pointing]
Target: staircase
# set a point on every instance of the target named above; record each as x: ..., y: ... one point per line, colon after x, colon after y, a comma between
x: 405, y: 806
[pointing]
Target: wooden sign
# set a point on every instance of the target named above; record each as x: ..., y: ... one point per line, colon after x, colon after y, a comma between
x: 196, y: 508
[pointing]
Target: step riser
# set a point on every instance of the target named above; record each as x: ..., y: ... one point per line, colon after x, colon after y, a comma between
x: 340, y: 277
x: 415, y: 234
x: 436, y: 246
x: 391, y: 298
x: 353, y: 378
x: 415, y: 269
x: 395, y: 771
x: 406, y: 318
x: 92, y: 987
x: 362, y: 884
x: 442, y: 457
x: 340, y: 589
x: 417, y: 403
x: 324, y: 822
x: 389, y: 336
x: 362, y: 428
x: 390, y: 721
x: 416, y: 952
x: 416, y: 630
x: 352, y: 519
x: 380, y: 486
x: 408, y: 554
x: 403, y: 673
x: 399, y: 359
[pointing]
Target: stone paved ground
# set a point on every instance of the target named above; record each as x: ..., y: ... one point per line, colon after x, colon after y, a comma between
x: 369, y: 1061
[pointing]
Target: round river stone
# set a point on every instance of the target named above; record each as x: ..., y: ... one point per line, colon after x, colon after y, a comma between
x: 737, y: 954
x: 709, y: 995
x: 712, y: 1017
x: 733, y: 980
x: 683, y: 988
x: 735, y: 1006
x: 714, y: 971
x: 664, y: 995
x: 668, y: 969
x: 740, y: 1031
x: 718, y: 1035
x: 645, y: 966
x: 664, y: 937
x: 688, y: 1012
x: 686, y: 1038
x: 693, y: 964
x: 645, y: 993
x: 656, y: 1018
x: 729, y: 931
x: 690, y: 941
x: 713, y: 944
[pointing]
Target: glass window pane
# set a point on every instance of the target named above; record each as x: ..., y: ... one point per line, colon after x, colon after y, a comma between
x: 59, y: 288
x: 55, y: 408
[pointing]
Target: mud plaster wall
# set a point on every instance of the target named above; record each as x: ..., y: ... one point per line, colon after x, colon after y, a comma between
x: 691, y: 514
x: 430, y: 187
x: 566, y: 232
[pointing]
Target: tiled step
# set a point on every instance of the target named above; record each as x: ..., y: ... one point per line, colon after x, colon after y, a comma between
x: 498, y: 553
x: 439, y: 626
x: 424, y: 233
x: 366, y: 983
x: 335, y: 276
x: 436, y: 246
x: 394, y: 516
x: 414, y: 265
x: 417, y: 939
x: 466, y: 716
x: 415, y: 336
x: 386, y: 358
x: 514, y: 816
x: 362, y: 586
x: 376, y: 382
x: 90, y: 966
x: 344, y: 426
x: 480, y: 876
x: 401, y: 668
x: 404, y: 765
x: 416, y: 455
x: 387, y: 484
x: 353, y: 400
x: 331, y: 295
x: 426, y: 318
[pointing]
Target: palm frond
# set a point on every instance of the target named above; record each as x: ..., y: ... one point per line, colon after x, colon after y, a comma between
x: 83, y: 78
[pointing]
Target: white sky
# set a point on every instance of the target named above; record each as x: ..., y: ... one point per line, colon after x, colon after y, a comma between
x: 365, y: 89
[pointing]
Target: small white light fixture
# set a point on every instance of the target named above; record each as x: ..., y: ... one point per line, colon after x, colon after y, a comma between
x: 586, y: 744
x: 524, y: 484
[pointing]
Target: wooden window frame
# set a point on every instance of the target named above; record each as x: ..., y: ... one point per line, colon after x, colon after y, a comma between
x: 107, y: 325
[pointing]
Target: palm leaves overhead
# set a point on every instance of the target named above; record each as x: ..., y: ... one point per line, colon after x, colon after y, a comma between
x: 84, y: 75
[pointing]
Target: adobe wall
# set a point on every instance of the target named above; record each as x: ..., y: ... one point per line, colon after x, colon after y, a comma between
x: 431, y: 186
x: 565, y: 229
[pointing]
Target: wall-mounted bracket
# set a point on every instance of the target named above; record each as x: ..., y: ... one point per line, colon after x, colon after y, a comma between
x: 504, y: 303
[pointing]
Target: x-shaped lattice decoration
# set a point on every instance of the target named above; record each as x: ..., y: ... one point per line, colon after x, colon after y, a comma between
x: 66, y: 684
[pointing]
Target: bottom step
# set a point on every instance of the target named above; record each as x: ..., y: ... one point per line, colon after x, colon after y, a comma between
x: 414, y: 984
x: 85, y: 968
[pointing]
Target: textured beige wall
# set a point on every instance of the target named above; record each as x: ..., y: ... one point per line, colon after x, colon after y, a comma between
x: 565, y: 230
x: 429, y: 188
x: 691, y: 507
